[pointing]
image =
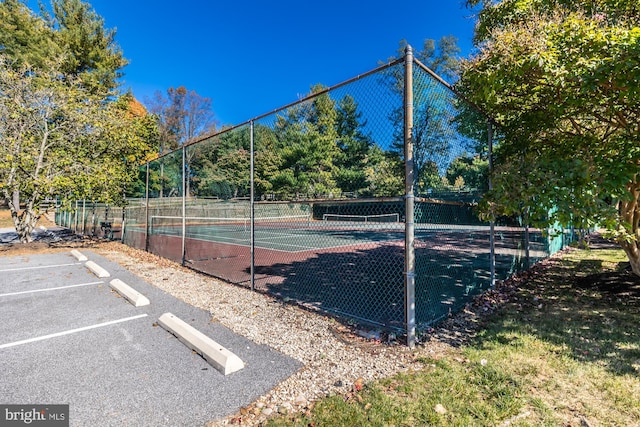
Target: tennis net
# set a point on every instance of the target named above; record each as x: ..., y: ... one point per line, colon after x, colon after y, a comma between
x: 381, y: 218
x: 160, y: 224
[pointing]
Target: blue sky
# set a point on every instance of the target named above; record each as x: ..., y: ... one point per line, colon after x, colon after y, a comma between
x: 251, y: 57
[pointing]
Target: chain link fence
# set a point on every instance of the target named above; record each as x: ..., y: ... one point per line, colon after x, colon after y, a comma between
x: 359, y: 200
x: 92, y: 219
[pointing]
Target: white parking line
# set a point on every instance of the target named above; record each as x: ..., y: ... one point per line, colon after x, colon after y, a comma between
x: 39, y: 267
x: 50, y: 289
x: 71, y: 331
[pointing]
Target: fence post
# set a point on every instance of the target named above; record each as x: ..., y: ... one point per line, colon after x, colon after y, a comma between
x: 84, y: 219
x: 527, y: 239
x: 75, y: 219
x: 409, y: 246
x: 184, y: 203
x: 252, y: 205
x: 93, y: 219
x: 492, y: 224
x: 146, y: 210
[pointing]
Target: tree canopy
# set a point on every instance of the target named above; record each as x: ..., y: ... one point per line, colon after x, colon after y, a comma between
x: 561, y: 79
x: 64, y: 129
x: 325, y: 145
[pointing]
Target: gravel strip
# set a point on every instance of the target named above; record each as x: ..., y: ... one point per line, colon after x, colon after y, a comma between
x: 333, y: 357
x: 336, y: 358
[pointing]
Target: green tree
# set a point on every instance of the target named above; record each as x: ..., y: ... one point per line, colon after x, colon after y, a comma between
x: 228, y: 177
x: 72, y: 31
x: 267, y: 161
x: 432, y: 119
x: 306, y: 143
x: 473, y: 170
x: 58, y: 139
x: 64, y: 130
x: 221, y: 165
x: 89, y: 49
x: 382, y: 173
x: 561, y: 79
x: 24, y: 36
x: 354, y: 147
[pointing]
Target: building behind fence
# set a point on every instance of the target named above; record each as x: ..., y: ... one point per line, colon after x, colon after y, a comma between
x: 359, y: 200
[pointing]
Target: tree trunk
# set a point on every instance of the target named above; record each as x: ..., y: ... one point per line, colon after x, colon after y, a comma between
x: 630, y: 214
x: 16, y: 199
x: 25, y: 225
x: 632, y: 249
x: 24, y: 221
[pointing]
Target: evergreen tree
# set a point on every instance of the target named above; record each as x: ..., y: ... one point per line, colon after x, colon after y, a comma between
x: 354, y: 146
x: 89, y: 48
x: 306, y: 142
x: 25, y: 38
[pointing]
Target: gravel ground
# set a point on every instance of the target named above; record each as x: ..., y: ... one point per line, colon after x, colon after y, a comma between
x: 335, y: 357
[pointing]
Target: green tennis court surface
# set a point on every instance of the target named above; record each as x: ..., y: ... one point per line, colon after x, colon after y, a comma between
x: 348, y: 265
x: 301, y: 233
x: 287, y: 234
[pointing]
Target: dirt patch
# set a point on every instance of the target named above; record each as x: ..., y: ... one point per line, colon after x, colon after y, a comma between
x: 45, y: 241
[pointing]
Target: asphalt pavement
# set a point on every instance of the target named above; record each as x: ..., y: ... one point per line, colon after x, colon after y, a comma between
x: 67, y: 338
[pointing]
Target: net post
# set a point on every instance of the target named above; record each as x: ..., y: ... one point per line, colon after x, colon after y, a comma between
x: 252, y: 206
x: 492, y: 224
x: 409, y: 252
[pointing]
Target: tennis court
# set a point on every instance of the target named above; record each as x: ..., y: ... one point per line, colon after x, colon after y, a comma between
x: 301, y: 233
x: 351, y: 265
x: 298, y: 233
x: 331, y: 185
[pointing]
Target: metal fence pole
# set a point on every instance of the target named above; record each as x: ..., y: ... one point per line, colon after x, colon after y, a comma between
x: 84, y: 218
x: 409, y: 246
x: 146, y: 213
x: 492, y: 224
x: 75, y: 219
x: 527, y: 239
x: 93, y: 219
x: 252, y: 205
x: 184, y: 203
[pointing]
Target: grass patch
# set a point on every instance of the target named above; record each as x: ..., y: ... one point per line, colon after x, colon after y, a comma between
x: 564, y: 351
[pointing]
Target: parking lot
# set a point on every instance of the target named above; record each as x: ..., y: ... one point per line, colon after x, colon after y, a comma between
x: 68, y: 338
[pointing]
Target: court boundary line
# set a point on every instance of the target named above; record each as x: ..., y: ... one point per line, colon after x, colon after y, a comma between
x: 233, y: 241
x: 290, y: 252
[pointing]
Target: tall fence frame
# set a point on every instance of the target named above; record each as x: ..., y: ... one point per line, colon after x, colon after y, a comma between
x: 477, y: 260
